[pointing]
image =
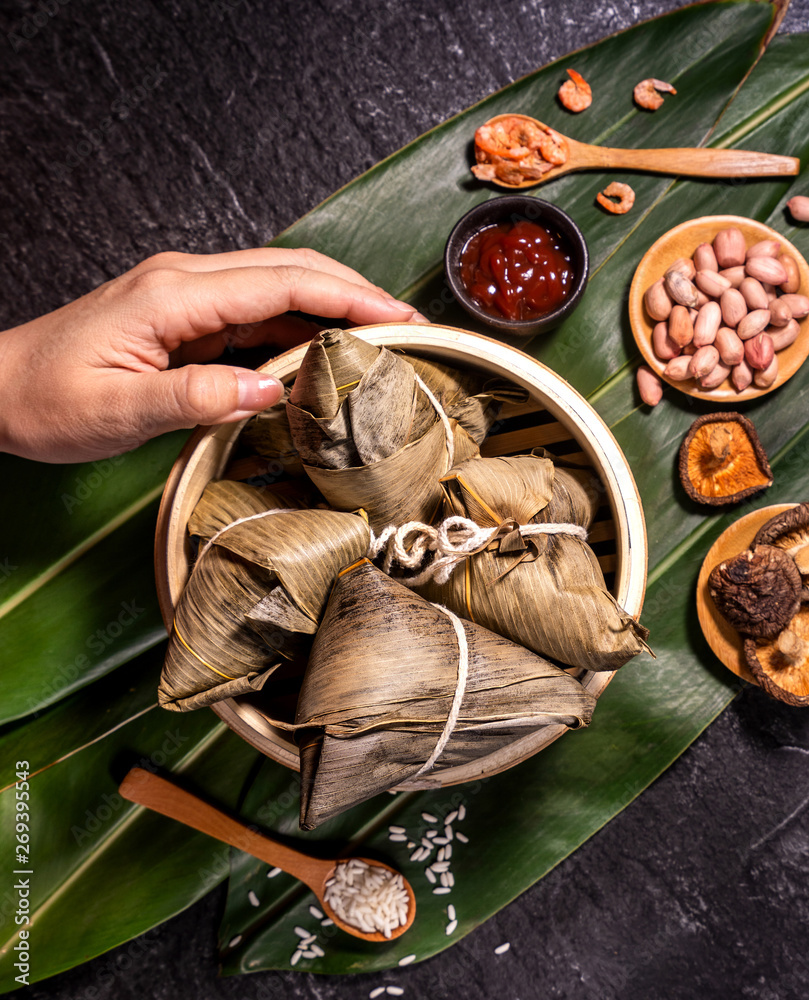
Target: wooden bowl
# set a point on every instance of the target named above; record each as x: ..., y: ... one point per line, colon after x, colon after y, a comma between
x: 721, y: 636
x: 682, y: 241
x: 559, y: 418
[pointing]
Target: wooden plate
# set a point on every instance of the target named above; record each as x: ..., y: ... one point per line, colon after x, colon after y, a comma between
x: 682, y: 241
x: 723, y: 639
x: 555, y: 416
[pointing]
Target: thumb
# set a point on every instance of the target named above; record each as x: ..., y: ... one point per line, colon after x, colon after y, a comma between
x: 200, y: 394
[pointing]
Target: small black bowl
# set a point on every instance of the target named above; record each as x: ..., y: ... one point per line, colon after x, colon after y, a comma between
x: 515, y: 208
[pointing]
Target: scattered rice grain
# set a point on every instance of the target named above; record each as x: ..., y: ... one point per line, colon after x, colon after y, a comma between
x: 307, y: 941
x: 451, y: 926
x: 254, y: 900
x: 442, y: 890
x: 462, y: 812
x: 328, y: 922
x: 395, y: 991
x: 396, y: 829
x: 462, y: 837
x: 318, y: 951
x: 501, y: 949
x: 448, y: 832
x: 296, y: 956
x: 407, y: 960
x: 443, y: 878
x: 309, y: 953
x: 451, y: 912
x: 448, y: 852
x: 234, y: 941
x: 376, y: 993
x: 273, y: 872
x: 451, y: 817
x: 397, y: 838
x: 429, y: 818
x: 315, y: 913
x: 302, y: 932
x: 431, y: 876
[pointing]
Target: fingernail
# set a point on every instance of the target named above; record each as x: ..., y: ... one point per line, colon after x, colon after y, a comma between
x: 258, y: 391
x: 418, y: 318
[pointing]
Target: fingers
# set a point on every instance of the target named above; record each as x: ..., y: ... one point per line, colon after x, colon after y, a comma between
x: 158, y: 402
x: 254, y: 257
x: 184, y: 306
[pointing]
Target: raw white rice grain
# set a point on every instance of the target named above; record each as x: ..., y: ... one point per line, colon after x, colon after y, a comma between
x: 431, y: 834
x: 450, y: 879
x: 442, y: 890
x: 440, y: 840
x: 328, y: 922
x: 444, y: 878
x: 411, y: 844
x: 407, y: 960
x: 397, y: 838
x: 234, y: 941
x: 254, y: 900
x: 273, y: 872
x: 448, y: 852
x: 317, y: 950
x: 501, y: 949
x: 395, y: 991
x: 451, y: 912
x: 396, y: 829
x: 295, y: 957
x: 440, y: 866
x: 451, y: 817
x: 370, y: 898
x: 307, y: 941
x: 448, y: 832
x: 442, y: 854
x: 310, y: 954
x: 376, y: 993
x: 302, y: 932
x: 462, y: 812
x: 462, y: 837
x: 315, y: 913
x: 451, y: 926
x: 429, y: 818
x: 431, y: 876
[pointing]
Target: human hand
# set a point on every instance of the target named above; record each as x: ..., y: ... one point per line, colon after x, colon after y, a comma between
x: 100, y: 375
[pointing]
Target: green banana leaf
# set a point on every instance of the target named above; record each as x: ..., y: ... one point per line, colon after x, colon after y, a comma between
x: 652, y: 710
x: 62, y: 592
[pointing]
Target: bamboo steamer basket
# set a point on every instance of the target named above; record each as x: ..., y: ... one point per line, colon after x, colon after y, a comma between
x: 556, y: 416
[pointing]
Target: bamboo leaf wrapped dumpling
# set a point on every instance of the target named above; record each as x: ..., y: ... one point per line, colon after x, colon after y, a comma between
x: 368, y: 434
x: 546, y: 591
x: 256, y: 592
x: 383, y: 694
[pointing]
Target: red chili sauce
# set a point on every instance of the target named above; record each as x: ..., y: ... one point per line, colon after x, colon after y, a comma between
x: 519, y: 270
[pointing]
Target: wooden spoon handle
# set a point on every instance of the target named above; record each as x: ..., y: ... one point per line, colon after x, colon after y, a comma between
x: 695, y: 162
x: 154, y: 792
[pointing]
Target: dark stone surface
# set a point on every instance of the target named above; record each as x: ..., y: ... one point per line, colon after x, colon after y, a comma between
x: 133, y: 127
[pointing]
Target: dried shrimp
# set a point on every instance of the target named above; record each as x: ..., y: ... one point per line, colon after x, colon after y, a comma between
x: 575, y: 94
x: 624, y: 194
x: 514, y: 148
x: 646, y: 93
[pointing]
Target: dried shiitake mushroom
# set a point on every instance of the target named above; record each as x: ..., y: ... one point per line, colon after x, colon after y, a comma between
x: 781, y: 665
x: 789, y: 531
x: 722, y: 460
x: 757, y: 591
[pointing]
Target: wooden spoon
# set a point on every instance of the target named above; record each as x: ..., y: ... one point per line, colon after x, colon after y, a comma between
x: 691, y: 162
x: 162, y: 796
